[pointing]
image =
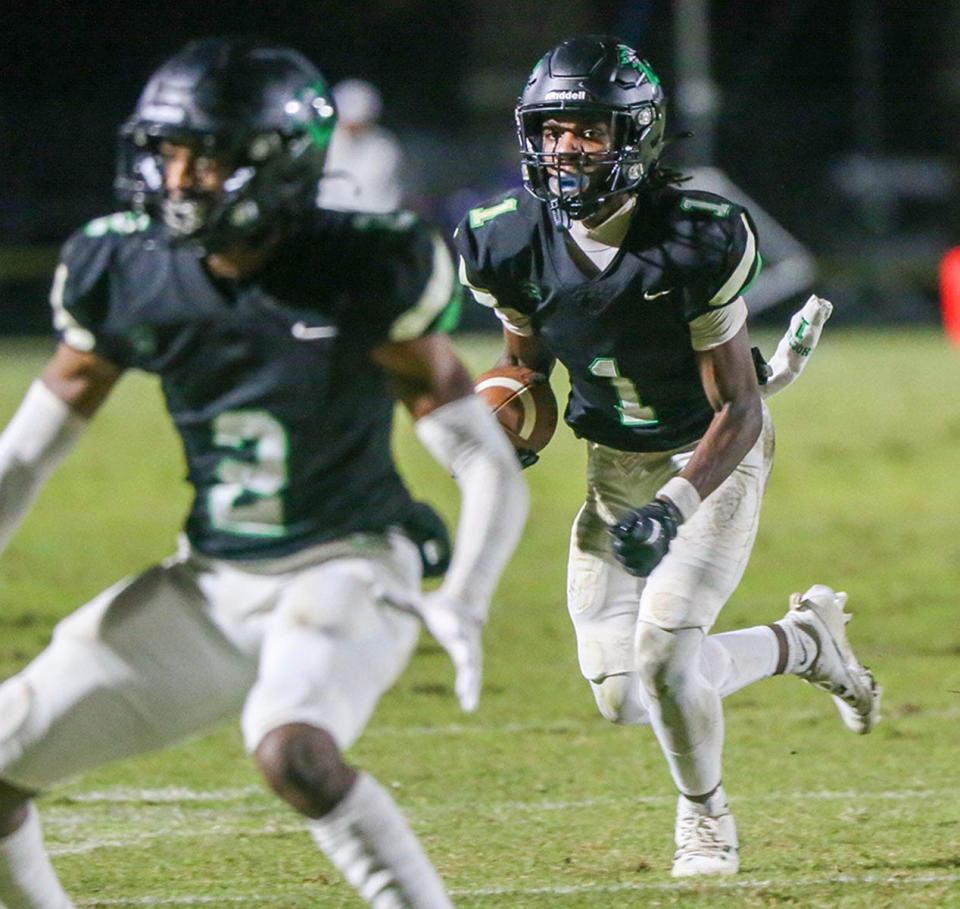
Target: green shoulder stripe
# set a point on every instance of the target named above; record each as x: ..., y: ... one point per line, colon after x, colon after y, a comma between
x: 434, y: 300
x: 480, y: 216
x: 449, y: 317
x: 757, y: 267
x: 717, y: 209
x: 122, y: 222
x: 746, y: 270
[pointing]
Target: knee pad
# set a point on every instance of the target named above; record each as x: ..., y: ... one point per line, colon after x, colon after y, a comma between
x: 619, y: 701
x: 665, y: 657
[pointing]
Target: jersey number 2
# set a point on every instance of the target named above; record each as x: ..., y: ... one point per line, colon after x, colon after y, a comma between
x: 631, y: 409
x: 248, y: 499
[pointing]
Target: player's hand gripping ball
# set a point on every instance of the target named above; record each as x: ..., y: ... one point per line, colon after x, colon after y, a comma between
x: 524, y: 404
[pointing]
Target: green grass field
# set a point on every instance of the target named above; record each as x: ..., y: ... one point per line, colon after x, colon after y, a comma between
x: 535, y: 801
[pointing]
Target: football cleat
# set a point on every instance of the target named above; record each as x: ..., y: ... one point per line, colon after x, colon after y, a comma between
x: 706, y: 844
x: 819, y: 613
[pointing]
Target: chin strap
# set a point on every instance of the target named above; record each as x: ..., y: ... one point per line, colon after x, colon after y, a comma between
x: 559, y: 216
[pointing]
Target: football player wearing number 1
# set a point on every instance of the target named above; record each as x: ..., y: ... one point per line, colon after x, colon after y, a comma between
x: 278, y: 331
x: 635, y: 284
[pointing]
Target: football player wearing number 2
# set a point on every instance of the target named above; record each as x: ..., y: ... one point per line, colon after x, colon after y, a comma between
x: 278, y: 331
x: 635, y: 284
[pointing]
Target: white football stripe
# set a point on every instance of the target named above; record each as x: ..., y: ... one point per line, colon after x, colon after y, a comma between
x: 499, y: 382
x: 529, y: 415
x: 526, y: 401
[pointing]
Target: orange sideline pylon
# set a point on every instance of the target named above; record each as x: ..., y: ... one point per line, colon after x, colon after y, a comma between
x: 950, y: 294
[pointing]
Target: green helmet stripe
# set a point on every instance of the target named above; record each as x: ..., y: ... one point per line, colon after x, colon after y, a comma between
x: 628, y: 57
x: 320, y: 118
x: 321, y: 132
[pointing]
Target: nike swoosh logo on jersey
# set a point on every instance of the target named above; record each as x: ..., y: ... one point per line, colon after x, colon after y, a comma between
x: 303, y: 332
x: 660, y: 293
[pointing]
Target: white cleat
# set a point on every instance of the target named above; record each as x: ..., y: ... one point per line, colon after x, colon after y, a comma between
x: 705, y: 844
x: 835, y: 668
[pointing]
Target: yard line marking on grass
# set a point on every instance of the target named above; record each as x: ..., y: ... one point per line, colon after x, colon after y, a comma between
x: 179, y: 900
x: 175, y: 795
x: 168, y: 795
x: 844, y: 880
x: 132, y: 841
x: 62, y: 824
x: 590, y: 724
x: 558, y: 727
x: 703, y: 886
x: 190, y: 830
x: 894, y: 795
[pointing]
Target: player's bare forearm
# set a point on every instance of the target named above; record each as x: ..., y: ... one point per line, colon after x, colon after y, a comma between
x: 81, y: 380
x: 425, y: 373
x: 525, y: 350
x: 51, y: 418
x: 730, y: 383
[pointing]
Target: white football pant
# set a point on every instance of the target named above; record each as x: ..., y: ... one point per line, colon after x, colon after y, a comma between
x: 641, y: 642
x: 313, y: 638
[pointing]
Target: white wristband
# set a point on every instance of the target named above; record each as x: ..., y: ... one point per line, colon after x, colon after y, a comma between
x: 682, y: 494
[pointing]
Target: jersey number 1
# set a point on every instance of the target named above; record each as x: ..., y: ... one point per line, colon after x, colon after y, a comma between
x: 248, y: 499
x: 630, y: 407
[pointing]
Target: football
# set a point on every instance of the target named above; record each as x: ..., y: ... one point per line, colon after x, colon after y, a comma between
x: 523, y: 402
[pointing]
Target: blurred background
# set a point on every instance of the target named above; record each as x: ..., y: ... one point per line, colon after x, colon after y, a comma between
x: 838, y: 121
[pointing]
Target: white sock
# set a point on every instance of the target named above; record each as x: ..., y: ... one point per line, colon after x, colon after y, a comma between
x: 735, y: 659
x: 372, y: 845
x: 801, y: 649
x: 27, y: 879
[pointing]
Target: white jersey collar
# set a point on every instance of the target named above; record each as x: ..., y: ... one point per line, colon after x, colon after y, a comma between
x: 610, y: 232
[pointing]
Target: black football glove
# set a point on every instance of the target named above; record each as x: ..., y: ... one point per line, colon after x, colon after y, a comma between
x: 527, y: 458
x: 642, y: 537
x: 427, y: 529
x: 763, y: 369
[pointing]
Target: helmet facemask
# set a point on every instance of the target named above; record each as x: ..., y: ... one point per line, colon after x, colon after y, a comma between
x: 187, y: 215
x: 577, y: 184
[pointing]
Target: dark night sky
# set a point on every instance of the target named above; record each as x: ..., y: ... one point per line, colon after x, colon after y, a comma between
x: 792, y: 99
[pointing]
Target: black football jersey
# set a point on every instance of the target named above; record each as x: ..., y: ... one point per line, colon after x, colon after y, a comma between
x: 623, y: 334
x: 285, y: 420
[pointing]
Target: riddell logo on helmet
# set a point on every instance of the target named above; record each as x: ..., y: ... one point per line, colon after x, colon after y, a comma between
x: 566, y: 95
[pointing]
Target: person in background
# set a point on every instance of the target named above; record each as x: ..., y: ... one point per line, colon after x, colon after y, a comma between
x: 364, y: 159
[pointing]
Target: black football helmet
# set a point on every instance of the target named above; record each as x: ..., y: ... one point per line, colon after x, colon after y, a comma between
x: 601, y: 77
x: 263, y: 109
